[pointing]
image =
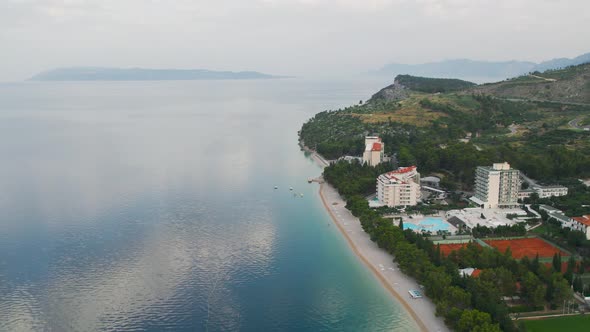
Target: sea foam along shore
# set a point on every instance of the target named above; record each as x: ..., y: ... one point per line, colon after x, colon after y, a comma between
x: 378, y: 260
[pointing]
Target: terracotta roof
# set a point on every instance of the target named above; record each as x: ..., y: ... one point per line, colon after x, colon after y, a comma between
x: 403, y: 170
x: 475, y: 273
x: 583, y: 219
x: 376, y: 147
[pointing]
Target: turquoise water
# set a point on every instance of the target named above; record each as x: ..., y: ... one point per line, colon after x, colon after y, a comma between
x: 428, y: 224
x: 149, y: 206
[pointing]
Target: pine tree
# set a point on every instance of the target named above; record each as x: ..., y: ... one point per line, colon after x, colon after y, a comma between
x: 557, y: 262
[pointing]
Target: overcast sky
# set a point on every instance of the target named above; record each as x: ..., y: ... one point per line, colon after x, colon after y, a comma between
x: 291, y: 37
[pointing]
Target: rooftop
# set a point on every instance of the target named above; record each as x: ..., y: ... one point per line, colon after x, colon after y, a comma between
x: 403, y: 170
x: 399, y: 175
x: 430, y: 179
x: 376, y: 147
x: 549, y: 209
x: 583, y: 219
x: 470, y: 271
x: 559, y: 216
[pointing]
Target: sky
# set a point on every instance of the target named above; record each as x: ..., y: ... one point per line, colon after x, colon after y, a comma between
x: 284, y: 37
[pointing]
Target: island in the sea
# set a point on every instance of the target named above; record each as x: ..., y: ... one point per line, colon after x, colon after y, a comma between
x: 144, y: 74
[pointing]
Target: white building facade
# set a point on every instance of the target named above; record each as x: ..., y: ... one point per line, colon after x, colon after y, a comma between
x: 496, y: 186
x: 549, y: 191
x: 374, y: 151
x: 583, y: 225
x: 543, y: 191
x: 400, y: 187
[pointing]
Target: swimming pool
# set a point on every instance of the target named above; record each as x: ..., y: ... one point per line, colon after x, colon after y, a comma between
x: 428, y: 224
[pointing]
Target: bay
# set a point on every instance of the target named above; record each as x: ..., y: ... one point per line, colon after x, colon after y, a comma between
x: 149, y: 206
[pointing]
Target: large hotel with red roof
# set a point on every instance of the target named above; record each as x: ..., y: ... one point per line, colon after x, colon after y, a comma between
x: 400, y: 187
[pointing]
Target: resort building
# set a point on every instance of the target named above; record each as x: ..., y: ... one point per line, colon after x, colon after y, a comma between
x: 496, y: 186
x: 549, y: 209
x: 350, y: 159
x: 582, y: 224
x: 525, y: 193
x: 400, y: 187
x: 564, y: 221
x: 374, y: 149
x: 549, y: 191
x: 430, y: 181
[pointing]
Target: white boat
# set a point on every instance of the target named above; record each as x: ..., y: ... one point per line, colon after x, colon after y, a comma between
x: 290, y: 188
x: 276, y: 187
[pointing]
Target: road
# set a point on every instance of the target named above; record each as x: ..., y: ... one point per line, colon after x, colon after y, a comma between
x: 544, y: 78
x: 541, y: 101
x: 575, y: 123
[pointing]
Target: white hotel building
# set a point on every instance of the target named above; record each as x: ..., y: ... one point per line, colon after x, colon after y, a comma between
x: 400, y: 187
x: 374, y: 151
x: 496, y: 186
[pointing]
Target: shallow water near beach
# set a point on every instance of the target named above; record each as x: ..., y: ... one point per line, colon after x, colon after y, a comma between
x: 151, y: 206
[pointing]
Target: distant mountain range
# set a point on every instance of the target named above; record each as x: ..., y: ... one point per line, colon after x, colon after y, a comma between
x: 143, y: 74
x: 470, y: 68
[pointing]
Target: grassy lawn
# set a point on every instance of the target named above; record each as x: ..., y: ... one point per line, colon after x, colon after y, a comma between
x: 540, y: 230
x: 570, y: 323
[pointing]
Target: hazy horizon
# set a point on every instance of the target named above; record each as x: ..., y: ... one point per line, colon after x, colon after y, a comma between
x: 305, y: 38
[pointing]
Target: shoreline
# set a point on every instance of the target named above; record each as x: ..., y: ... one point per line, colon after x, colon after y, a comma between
x: 379, y: 262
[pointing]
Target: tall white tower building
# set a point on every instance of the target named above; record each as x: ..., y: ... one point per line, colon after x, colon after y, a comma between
x: 374, y: 148
x: 496, y: 186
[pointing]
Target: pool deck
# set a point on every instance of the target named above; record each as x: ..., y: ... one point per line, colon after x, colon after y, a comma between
x: 418, y: 219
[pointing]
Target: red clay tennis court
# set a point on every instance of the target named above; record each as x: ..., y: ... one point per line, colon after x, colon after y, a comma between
x: 526, y: 247
x: 446, y: 248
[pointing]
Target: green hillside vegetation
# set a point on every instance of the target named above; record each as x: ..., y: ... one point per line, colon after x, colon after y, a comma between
x: 433, y: 85
x: 427, y: 129
x: 567, y: 85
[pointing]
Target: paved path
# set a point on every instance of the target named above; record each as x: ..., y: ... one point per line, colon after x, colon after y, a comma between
x: 575, y: 123
x: 380, y: 262
x: 544, y: 78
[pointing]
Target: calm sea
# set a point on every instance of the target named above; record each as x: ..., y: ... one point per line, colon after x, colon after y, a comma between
x: 149, y: 206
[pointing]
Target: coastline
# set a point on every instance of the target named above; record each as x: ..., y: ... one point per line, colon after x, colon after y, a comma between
x: 379, y: 262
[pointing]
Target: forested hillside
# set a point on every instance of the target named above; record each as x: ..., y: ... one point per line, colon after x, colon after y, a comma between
x: 432, y: 85
x: 568, y: 85
x: 452, y: 133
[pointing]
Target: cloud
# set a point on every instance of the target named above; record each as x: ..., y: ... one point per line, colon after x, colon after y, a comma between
x: 297, y: 37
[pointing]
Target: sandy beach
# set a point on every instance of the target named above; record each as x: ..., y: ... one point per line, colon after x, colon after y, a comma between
x: 380, y: 262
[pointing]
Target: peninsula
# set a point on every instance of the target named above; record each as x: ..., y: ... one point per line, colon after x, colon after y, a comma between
x: 484, y: 251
